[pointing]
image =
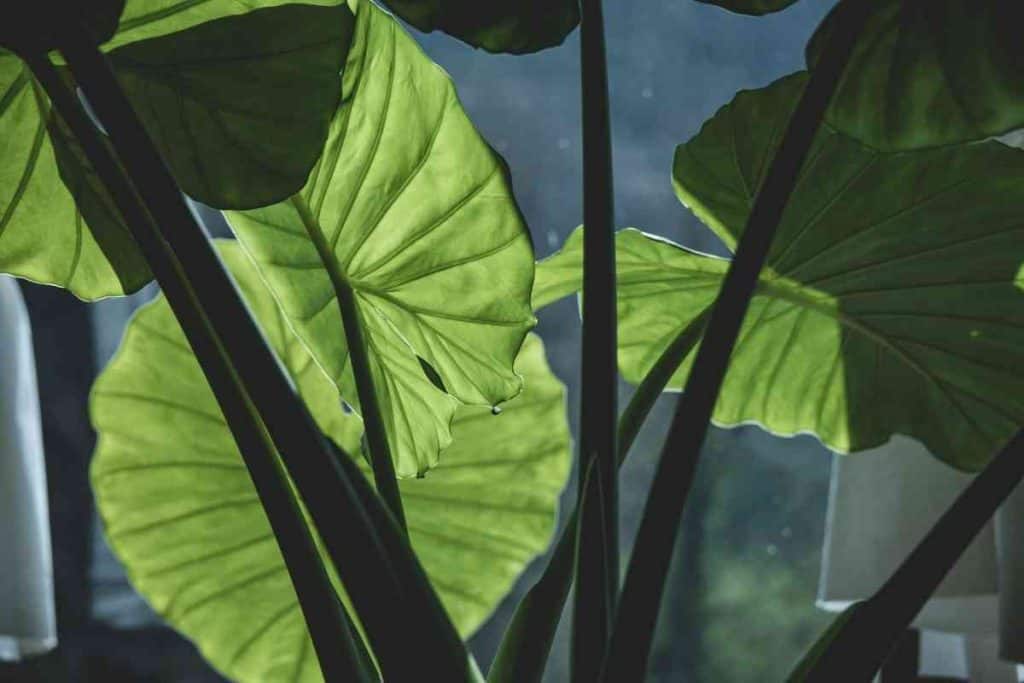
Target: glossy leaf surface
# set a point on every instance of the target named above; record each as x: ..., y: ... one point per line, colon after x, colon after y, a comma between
x: 412, y: 209
x: 182, y: 514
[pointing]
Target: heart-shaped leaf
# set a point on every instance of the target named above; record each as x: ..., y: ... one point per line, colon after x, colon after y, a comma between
x: 756, y: 7
x: 891, y: 302
x: 515, y: 26
x: 182, y: 514
x: 413, y: 211
x: 240, y: 106
x: 927, y: 73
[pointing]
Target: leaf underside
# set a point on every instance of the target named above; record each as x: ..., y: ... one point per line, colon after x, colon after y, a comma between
x: 413, y: 211
x: 181, y: 513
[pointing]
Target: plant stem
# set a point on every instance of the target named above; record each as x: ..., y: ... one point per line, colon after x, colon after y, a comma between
x: 376, y: 436
x: 334, y: 642
x: 527, y: 641
x: 645, y: 579
x: 860, y: 644
x: 597, y: 553
x: 390, y: 593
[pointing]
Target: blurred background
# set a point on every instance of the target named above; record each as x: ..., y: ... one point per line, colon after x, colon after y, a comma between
x: 743, y: 583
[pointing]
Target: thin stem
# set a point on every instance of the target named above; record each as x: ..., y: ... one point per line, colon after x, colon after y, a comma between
x: 526, y: 645
x: 597, y: 554
x: 334, y: 642
x: 648, y: 568
x: 389, y: 593
x: 376, y: 436
x: 859, y: 645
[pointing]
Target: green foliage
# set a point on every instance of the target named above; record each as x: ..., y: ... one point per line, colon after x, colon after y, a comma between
x: 751, y: 6
x: 202, y: 94
x: 43, y: 235
x: 927, y: 73
x: 516, y: 26
x: 240, y: 106
x: 144, y: 19
x: 411, y: 209
x: 182, y: 514
x: 898, y: 271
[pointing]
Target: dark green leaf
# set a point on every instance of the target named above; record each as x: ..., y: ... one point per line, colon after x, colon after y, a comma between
x: 927, y: 73
x: 412, y: 209
x: 751, y: 6
x: 516, y: 26
x: 181, y: 513
x: 240, y: 106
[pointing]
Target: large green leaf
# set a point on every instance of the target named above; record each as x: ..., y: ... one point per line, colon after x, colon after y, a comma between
x: 891, y: 301
x: 182, y: 514
x: 144, y: 19
x: 751, y: 6
x: 43, y: 236
x: 412, y: 209
x: 516, y: 26
x: 240, y: 106
x: 931, y: 72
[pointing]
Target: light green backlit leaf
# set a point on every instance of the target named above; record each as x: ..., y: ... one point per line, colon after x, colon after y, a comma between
x: 414, y: 211
x: 43, y: 236
x: 927, y: 73
x: 182, y: 514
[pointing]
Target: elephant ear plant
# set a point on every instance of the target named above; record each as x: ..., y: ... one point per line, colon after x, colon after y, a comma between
x: 330, y: 446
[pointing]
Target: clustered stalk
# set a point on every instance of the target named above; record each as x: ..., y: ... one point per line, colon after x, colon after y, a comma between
x: 597, y: 552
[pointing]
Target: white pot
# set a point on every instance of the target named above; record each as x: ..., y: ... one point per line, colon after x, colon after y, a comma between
x: 27, y: 621
x: 881, y: 504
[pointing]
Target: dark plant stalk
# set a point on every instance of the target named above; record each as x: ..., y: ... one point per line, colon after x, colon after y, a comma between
x: 855, y: 647
x: 376, y: 436
x: 645, y: 579
x: 334, y: 642
x: 389, y: 593
x: 597, y: 552
x: 526, y: 645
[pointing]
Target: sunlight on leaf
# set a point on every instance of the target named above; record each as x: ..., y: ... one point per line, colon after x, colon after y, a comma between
x: 43, y: 236
x: 181, y: 513
x: 412, y: 209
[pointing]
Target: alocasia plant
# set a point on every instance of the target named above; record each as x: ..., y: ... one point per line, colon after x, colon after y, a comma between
x: 384, y: 258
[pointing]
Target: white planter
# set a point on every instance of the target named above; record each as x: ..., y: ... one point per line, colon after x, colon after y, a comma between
x: 881, y: 504
x: 27, y: 621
